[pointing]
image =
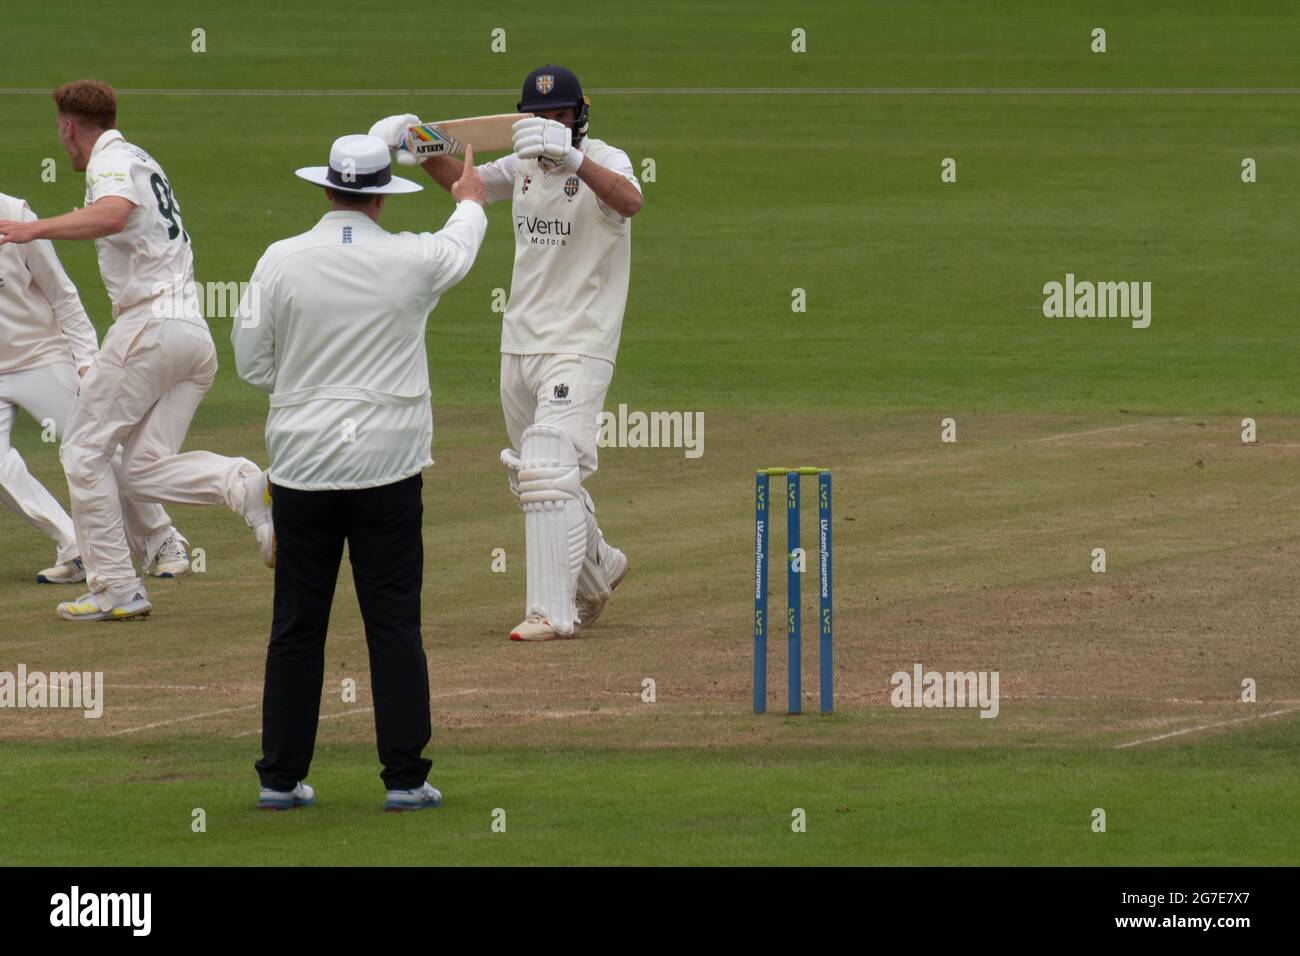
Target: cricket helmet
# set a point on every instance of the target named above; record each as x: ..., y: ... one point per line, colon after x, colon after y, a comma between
x: 553, y: 87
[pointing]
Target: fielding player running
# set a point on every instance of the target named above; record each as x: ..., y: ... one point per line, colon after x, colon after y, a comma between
x: 156, y: 363
x: 573, y: 197
x: 46, y: 341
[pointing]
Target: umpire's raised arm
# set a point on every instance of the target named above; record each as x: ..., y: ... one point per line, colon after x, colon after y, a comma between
x: 451, y: 251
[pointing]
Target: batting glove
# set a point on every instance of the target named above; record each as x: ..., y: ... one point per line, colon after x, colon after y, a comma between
x: 538, y: 138
x: 392, y: 130
x: 528, y: 137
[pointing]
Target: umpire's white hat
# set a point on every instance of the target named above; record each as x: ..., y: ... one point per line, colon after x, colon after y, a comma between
x: 359, y: 163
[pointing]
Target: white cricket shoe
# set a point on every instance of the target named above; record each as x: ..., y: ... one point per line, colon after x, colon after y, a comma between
x: 424, y: 797
x: 172, y: 560
x: 302, y: 795
x: 69, y: 572
x: 86, y: 608
x: 537, y: 628
x: 257, y: 512
x: 589, y: 606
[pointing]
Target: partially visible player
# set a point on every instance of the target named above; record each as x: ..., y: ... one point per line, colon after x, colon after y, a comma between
x: 155, y: 366
x: 46, y: 341
x: 573, y: 198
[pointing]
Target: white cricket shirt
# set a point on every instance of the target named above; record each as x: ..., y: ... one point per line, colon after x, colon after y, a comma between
x: 41, y: 317
x: 573, y: 256
x: 333, y: 327
x: 151, y: 257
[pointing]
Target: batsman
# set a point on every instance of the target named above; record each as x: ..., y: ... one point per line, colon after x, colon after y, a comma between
x: 573, y: 198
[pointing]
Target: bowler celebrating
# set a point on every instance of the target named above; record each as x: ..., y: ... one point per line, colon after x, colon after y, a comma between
x: 573, y: 197
x: 156, y: 363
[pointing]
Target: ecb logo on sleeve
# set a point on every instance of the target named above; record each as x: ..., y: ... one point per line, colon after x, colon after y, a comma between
x: 561, y: 391
x: 571, y: 186
x: 545, y: 83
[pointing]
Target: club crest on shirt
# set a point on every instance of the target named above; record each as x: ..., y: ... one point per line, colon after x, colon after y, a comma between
x: 527, y: 182
x: 545, y: 83
x: 561, y: 391
x: 571, y: 186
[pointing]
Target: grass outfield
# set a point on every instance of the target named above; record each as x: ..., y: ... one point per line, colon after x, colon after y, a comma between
x: 1218, y: 803
x: 1119, y: 690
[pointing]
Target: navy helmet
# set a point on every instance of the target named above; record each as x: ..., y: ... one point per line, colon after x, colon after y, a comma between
x: 553, y: 87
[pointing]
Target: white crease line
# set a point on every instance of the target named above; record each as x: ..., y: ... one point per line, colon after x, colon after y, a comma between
x: 1108, y: 698
x: 1111, y: 698
x: 344, y: 713
x: 1112, y: 428
x: 159, y: 686
x: 347, y: 713
x: 742, y: 91
x: 1192, y: 730
x: 366, y: 710
x: 178, y: 720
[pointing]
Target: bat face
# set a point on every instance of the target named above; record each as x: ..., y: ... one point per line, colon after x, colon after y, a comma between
x: 450, y: 137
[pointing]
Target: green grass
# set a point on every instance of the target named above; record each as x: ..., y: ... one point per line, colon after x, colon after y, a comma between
x: 924, y: 300
x: 132, y: 804
x: 921, y: 294
x: 672, y: 43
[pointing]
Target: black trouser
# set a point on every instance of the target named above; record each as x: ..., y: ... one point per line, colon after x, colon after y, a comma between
x: 382, y: 527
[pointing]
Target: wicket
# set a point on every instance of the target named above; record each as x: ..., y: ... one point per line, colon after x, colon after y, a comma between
x: 793, y: 481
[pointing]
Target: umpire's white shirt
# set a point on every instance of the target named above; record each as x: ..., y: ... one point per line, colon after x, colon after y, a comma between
x: 333, y: 327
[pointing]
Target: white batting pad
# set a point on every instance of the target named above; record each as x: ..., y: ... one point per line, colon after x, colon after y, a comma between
x: 555, y: 523
x: 511, y: 461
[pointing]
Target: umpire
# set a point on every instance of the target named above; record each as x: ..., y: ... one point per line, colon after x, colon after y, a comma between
x: 333, y: 328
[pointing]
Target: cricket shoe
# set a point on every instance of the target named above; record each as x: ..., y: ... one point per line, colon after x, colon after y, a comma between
x: 537, y: 628
x: 69, y: 572
x: 86, y: 608
x: 589, y: 606
x: 424, y: 797
x: 301, y: 795
x: 257, y: 512
x: 172, y: 560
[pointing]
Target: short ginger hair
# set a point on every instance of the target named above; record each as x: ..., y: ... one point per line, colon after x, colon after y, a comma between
x: 88, y: 100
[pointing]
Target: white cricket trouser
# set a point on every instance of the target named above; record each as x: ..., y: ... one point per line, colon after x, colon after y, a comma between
x: 568, y: 393
x: 142, y: 392
x: 48, y: 394
x: 564, y: 391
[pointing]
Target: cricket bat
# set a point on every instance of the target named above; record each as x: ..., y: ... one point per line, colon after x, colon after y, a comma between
x: 487, y: 134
